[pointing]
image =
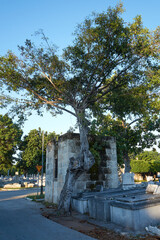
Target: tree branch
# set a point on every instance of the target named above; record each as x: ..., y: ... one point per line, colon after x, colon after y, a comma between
x: 135, y: 121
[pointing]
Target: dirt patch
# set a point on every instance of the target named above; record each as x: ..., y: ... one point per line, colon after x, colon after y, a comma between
x: 80, y: 223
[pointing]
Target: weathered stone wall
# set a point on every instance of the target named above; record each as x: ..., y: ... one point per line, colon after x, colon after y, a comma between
x: 49, y: 185
x: 68, y: 146
x: 111, y: 175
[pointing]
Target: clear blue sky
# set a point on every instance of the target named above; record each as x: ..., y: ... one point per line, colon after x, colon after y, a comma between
x: 58, y: 18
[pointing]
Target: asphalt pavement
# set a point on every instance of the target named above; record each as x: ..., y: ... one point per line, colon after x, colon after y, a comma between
x: 21, y: 219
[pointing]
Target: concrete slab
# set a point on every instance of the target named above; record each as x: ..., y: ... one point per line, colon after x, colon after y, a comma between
x: 136, y: 212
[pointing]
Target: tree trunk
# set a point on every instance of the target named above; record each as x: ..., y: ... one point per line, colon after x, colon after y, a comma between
x: 82, y: 163
x: 66, y: 193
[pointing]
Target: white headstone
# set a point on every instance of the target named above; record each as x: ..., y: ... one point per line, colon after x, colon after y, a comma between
x: 151, y: 188
x: 128, y: 181
x: 157, y: 190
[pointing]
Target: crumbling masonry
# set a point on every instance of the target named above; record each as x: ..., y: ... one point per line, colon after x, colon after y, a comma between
x: 57, y: 160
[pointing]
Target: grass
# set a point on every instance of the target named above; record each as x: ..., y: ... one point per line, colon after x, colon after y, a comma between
x: 41, y: 197
x: 141, y: 181
x: 36, y: 197
x: 21, y: 188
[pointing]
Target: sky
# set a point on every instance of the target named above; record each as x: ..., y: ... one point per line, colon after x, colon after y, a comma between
x: 58, y: 18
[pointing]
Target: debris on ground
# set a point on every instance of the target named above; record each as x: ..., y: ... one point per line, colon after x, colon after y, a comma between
x: 80, y: 223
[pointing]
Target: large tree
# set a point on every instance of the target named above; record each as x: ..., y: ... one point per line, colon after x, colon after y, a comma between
x: 106, y: 54
x: 10, y: 138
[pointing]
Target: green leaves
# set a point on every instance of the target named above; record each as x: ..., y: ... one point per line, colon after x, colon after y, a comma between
x: 111, y: 65
x: 31, y: 150
x: 10, y: 136
x: 148, y: 161
x: 131, y: 137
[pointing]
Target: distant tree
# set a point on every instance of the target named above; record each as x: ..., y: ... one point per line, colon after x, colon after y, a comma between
x: 32, y: 154
x: 7, y: 169
x: 10, y: 138
x: 31, y: 150
x: 106, y: 54
x: 147, y: 162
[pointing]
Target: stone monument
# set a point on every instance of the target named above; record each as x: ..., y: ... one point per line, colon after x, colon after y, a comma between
x: 57, y: 160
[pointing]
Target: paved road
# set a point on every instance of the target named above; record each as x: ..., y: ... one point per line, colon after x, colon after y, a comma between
x: 20, y: 219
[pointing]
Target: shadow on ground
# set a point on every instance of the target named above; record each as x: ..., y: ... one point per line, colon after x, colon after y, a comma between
x: 83, y: 224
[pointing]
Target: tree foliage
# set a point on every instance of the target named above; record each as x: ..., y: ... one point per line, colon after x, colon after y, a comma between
x: 31, y: 150
x: 10, y: 137
x: 146, y: 162
x: 131, y: 140
x: 7, y: 169
x: 107, y: 54
x: 108, y: 57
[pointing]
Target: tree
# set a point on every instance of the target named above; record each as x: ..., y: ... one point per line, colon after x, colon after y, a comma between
x: 10, y: 137
x: 31, y: 150
x: 133, y: 119
x: 5, y: 170
x: 131, y: 140
x: 106, y: 54
x: 146, y: 162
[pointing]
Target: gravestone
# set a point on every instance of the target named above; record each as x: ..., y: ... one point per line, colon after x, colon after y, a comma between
x: 128, y: 181
x: 151, y: 188
x: 157, y: 190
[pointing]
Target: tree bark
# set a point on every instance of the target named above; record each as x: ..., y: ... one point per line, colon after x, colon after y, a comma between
x: 82, y: 163
x: 72, y: 175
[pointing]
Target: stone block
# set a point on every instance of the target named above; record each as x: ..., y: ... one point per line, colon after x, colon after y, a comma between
x: 92, y: 208
x: 103, y: 210
x: 136, y: 213
x: 80, y: 205
x: 128, y: 178
x: 157, y: 190
x: 14, y: 185
x: 128, y: 181
x: 151, y: 188
x: 153, y: 230
x: 30, y: 185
